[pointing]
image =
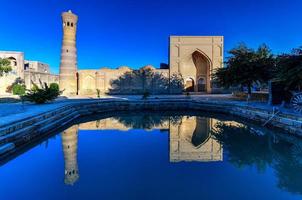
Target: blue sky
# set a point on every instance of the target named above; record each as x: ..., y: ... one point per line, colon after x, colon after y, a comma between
x: 135, y: 32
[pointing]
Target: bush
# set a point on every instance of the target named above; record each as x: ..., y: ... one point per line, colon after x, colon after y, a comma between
x: 42, y: 95
x: 18, y: 89
x: 98, y: 92
x: 18, y: 81
x: 54, y: 86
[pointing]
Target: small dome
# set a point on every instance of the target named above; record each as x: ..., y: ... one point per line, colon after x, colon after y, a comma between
x: 148, y: 67
x: 123, y: 68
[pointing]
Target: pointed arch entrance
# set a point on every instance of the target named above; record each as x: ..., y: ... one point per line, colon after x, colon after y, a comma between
x: 189, y: 85
x: 203, y: 65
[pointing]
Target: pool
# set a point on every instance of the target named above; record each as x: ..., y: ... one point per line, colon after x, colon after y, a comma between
x: 165, y: 155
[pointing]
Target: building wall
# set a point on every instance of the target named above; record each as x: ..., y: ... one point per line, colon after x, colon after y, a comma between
x: 37, y: 66
x: 103, y: 79
x: 31, y: 77
x: 194, y: 57
x: 181, y: 136
x: 17, y: 64
x: 29, y: 71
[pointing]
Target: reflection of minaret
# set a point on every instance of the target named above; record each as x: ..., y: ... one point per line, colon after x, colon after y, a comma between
x: 70, y: 148
x: 191, y: 141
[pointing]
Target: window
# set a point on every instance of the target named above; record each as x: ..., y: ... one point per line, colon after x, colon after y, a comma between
x: 67, y: 50
x: 67, y: 23
x: 71, y: 24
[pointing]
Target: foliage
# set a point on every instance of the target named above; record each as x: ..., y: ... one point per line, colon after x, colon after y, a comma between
x: 98, y: 93
x: 176, y: 84
x: 246, y: 67
x: 54, y: 86
x: 250, y: 147
x: 289, y: 70
x: 19, y: 89
x: 18, y: 80
x: 5, y: 66
x: 43, y: 94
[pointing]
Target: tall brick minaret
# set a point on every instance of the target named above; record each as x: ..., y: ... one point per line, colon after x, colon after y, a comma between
x: 68, y: 65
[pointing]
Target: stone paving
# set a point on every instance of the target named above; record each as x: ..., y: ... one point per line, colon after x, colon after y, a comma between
x: 22, y: 123
x: 14, y: 111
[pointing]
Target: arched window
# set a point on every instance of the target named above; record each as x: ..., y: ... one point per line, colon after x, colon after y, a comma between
x: 67, y: 23
x: 71, y: 24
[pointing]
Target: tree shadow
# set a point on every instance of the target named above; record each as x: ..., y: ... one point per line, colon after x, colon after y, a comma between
x: 146, y: 80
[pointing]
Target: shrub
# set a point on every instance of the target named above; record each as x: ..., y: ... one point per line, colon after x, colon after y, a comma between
x: 42, y: 95
x: 98, y: 92
x: 54, y: 86
x: 18, y: 89
x: 17, y: 81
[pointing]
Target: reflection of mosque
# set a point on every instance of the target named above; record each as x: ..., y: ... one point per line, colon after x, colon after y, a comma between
x: 70, y: 148
x: 190, y: 140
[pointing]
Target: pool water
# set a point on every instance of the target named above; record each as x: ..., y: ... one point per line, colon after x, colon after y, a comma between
x: 158, y: 156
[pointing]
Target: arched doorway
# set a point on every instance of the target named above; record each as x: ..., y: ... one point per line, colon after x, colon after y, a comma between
x: 203, y: 64
x: 189, y: 85
x: 201, y: 85
x: 13, y: 62
x: 201, y: 133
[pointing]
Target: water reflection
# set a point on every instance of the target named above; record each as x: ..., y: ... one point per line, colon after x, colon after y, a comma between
x: 202, y: 139
x: 70, y: 149
x: 190, y: 140
x: 247, y: 146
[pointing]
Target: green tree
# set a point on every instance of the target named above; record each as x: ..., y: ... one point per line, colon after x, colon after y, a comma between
x: 246, y: 67
x: 5, y: 66
x: 289, y: 70
x: 54, y: 86
x: 43, y: 94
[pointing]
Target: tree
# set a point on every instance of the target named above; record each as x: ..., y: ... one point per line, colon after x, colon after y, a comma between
x: 289, y: 70
x: 19, y: 89
x: 5, y: 66
x: 246, y: 67
x: 18, y: 81
x: 43, y: 94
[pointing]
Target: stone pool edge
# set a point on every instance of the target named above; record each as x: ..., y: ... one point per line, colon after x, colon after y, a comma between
x: 22, y: 131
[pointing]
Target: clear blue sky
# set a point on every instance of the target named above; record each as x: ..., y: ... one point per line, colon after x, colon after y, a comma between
x: 135, y: 32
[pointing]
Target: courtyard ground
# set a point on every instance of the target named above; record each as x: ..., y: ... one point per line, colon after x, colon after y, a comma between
x: 10, y: 112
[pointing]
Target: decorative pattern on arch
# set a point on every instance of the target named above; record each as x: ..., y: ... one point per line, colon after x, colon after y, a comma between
x: 203, y: 66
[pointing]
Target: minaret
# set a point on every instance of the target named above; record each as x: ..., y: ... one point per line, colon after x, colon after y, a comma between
x: 68, y: 65
x: 70, y: 149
